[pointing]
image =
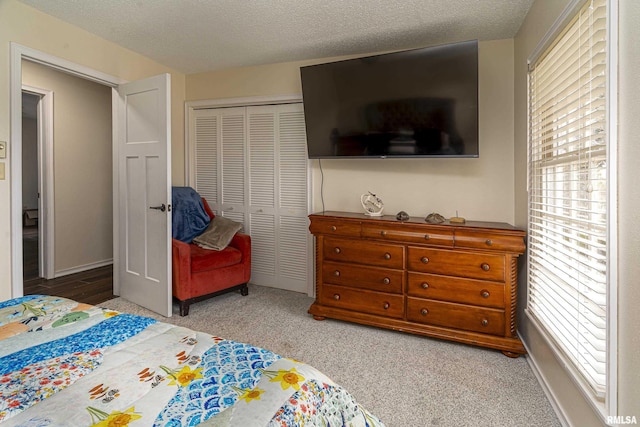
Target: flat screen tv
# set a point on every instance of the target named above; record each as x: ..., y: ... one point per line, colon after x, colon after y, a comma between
x: 415, y: 103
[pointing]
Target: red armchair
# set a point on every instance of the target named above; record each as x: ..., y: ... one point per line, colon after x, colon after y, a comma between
x: 200, y: 273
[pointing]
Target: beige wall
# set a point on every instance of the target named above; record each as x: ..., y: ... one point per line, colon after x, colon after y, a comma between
x: 480, y: 189
x: 26, y: 26
x: 568, y: 397
x: 263, y: 80
x: 82, y: 166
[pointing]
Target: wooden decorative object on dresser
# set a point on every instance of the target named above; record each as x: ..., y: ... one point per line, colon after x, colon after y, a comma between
x: 449, y: 281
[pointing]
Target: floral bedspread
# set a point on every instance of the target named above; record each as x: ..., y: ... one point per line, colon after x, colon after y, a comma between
x: 63, y: 363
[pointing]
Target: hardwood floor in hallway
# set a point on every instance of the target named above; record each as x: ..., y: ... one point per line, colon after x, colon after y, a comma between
x: 91, y: 286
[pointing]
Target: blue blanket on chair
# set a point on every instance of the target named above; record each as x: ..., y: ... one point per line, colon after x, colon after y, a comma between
x: 189, y: 217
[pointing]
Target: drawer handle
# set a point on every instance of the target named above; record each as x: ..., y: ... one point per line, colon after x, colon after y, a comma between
x: 387, y: 256
x: 383, y: 233
x: 386, y: 280
x: 336, y: 273
x: 485, y: 266
x: 424, y: 311
x: 333, y: 228
x: 485, y: 293
x: 337, y: 250
x: 485, y: 322
x: 386, y: 305
x: 488, y: 242
x: 336, y: 297
x: 424, y: 260
x: 424, y: 285
x: 427, y: 237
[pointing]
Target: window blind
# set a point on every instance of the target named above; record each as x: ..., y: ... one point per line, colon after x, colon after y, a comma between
x: 567, y: 240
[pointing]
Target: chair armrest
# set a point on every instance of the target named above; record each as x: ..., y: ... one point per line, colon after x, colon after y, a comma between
x: 241, y: 242
x: 181, y: 261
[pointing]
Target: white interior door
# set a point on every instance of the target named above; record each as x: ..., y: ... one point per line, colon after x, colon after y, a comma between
x: 142, y: 267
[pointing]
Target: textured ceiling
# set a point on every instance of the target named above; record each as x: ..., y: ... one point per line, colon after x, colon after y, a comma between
x: 194, y: 36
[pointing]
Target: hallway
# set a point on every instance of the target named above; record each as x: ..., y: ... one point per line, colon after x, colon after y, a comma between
x: 91, y: 287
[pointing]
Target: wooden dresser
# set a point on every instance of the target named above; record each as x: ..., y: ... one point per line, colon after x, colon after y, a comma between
x: 450, y: 281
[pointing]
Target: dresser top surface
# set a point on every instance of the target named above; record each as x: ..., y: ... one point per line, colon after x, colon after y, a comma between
x: 414, y: 220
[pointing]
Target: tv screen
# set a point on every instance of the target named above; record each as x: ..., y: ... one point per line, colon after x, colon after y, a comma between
x: 415, y: 103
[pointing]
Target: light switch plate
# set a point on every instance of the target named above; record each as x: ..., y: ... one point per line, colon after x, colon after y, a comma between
x: 3, y: 150
x: 2, y: 171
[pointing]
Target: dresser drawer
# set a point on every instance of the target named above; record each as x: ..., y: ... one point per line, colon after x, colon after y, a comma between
x: 455, y: 289
x: 331, y: 226
x: 364, y: 252
x: 483, y: 240
x: 458, y: 316
x: 408, y: 233
x: 475, y: 265
x: 359, y: 276
x: 377, y: 303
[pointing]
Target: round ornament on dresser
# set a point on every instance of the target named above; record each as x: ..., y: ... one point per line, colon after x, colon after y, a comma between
x: 372, y: 204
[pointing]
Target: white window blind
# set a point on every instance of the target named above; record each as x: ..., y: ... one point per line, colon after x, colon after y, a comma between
x: 567, y: 261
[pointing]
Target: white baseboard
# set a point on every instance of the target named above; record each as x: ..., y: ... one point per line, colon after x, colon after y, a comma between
x: 545, y: 387
x: 81, y: 268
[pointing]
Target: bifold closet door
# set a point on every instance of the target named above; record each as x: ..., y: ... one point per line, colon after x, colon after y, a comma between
x: 278, y: 196
x: 220, y: 143
x: 251, y: 164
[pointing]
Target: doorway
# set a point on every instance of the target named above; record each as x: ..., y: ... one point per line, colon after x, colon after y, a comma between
x: 77, y: 165
x: 140, y: 130
x: 31, y: 212
x: 37, y: 188
x: 21, y: 55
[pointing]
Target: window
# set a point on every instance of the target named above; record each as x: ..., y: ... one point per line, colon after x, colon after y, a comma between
x: 568, y: 194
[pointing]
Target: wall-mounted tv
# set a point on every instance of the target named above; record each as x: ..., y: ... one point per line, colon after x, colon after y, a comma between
x: 415, y: 103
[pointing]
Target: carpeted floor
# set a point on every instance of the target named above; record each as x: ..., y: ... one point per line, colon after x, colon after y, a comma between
x: 405, y: 380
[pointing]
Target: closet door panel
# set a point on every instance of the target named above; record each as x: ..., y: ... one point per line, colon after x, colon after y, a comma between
x: 219, y: 150
x: 262, y: 147
x: 206, y: 138
x: 278, y: 162
x: 263, y: 248
x: 293, y: 202
x: 293, y: 161
x: 293, y: 253
x: 233, y: 136
x: 261, y: 129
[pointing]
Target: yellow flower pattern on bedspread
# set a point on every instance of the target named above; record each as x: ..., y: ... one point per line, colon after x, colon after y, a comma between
x: 86, y: 366
x: 287, y: 379
x: 114, y: 419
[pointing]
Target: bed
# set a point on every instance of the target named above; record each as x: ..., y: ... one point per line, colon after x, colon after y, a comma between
x: 64, y: 363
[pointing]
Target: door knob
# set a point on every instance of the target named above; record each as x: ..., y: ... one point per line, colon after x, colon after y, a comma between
x: 161, y: 208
